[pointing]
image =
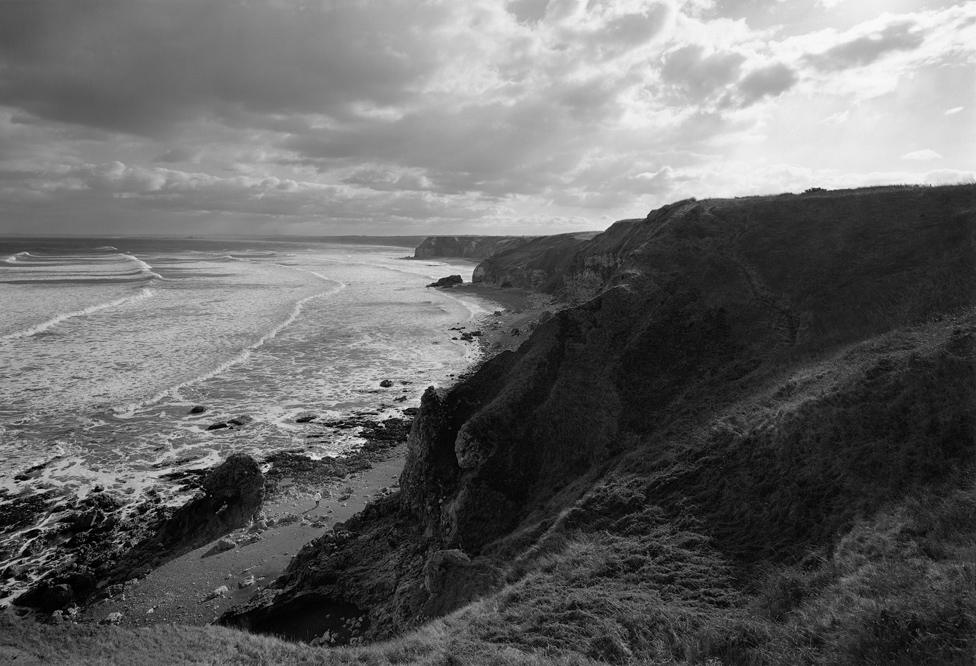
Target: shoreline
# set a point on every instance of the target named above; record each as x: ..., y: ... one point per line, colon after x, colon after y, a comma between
x: 307, y: 497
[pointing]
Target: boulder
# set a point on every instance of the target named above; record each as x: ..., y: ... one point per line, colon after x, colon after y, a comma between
x: 198, y: 409
x: 452, y: 579
x: 221, y: 546
x: 447, y: 282
x: 46, y: 596
x: 386, y: 383
x: 231, y: 498
x: 217, y: 426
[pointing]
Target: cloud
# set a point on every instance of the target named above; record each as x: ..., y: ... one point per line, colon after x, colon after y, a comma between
x: 865, y: 49
x: 143, y: 66
x: 486, y: 114
x: 698, y: 75
x: 922, y: 155
x: 768, y: 81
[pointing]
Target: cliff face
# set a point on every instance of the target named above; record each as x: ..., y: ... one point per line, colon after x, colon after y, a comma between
x: 744, y: 384
x: 467, y: 247
x: 538, y: 264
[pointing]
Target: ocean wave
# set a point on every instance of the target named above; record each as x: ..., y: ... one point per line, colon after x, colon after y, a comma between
x: 146, y: 268
x: 241, y: 357
x: 54, y: 321
x: 13, y: 259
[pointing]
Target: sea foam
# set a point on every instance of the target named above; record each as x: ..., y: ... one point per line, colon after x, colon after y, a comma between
x: 241, y: 357
x: 54, y: 321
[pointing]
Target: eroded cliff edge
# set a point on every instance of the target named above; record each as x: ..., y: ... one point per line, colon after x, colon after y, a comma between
x: 761, y: 410
x: 466, y: 247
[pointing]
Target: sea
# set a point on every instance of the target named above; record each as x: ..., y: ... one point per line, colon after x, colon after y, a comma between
x: 107, y: 345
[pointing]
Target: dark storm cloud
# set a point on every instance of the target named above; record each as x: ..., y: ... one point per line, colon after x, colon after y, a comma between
x: 864, y: 50
x: 141, y: 65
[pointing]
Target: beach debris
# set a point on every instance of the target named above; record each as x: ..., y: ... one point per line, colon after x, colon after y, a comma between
x: 246, y: 582
x: 386, y: 383
x: 223, y: 544
x: 112, y: 618
x: 249, y: 539
x: 220, y: 592
x: 198, y: 409
x: 288, y: 519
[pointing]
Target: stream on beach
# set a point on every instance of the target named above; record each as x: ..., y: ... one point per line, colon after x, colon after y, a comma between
x: 124, y: 362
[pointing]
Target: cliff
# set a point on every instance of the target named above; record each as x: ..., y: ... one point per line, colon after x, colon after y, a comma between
x: 751, y: 441
x: 466, y: 247
x: 539, y: 264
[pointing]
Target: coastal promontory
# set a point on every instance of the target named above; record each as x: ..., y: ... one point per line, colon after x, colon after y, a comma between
x: 751, y: 440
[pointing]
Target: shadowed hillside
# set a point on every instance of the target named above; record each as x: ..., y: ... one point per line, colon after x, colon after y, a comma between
x: 753, y: 441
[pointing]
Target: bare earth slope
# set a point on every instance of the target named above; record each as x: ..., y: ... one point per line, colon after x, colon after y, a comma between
x: 715, y: 455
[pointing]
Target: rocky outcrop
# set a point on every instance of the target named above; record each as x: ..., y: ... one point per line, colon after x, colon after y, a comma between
x: 229, y: 497
x: 539, y: 264
x: 467, y: 247
x: 447, y: 282
x: 754, y: 374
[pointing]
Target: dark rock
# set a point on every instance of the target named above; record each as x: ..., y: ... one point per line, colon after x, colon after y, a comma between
x: 240, y: 420
x: 231, y: 495
x: 306, y: 418
x: 46, y: 597
x: 452, y: 580
x: 217, y: 426
x: 386, y: 383
x: 446, y: 282
x: 198, y: 409
x: 221, y: 546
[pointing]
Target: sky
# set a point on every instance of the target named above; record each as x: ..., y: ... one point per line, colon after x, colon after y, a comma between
x: 318, y: 117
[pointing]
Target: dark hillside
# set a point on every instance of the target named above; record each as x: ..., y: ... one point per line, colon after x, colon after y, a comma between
x: 752, y: 441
